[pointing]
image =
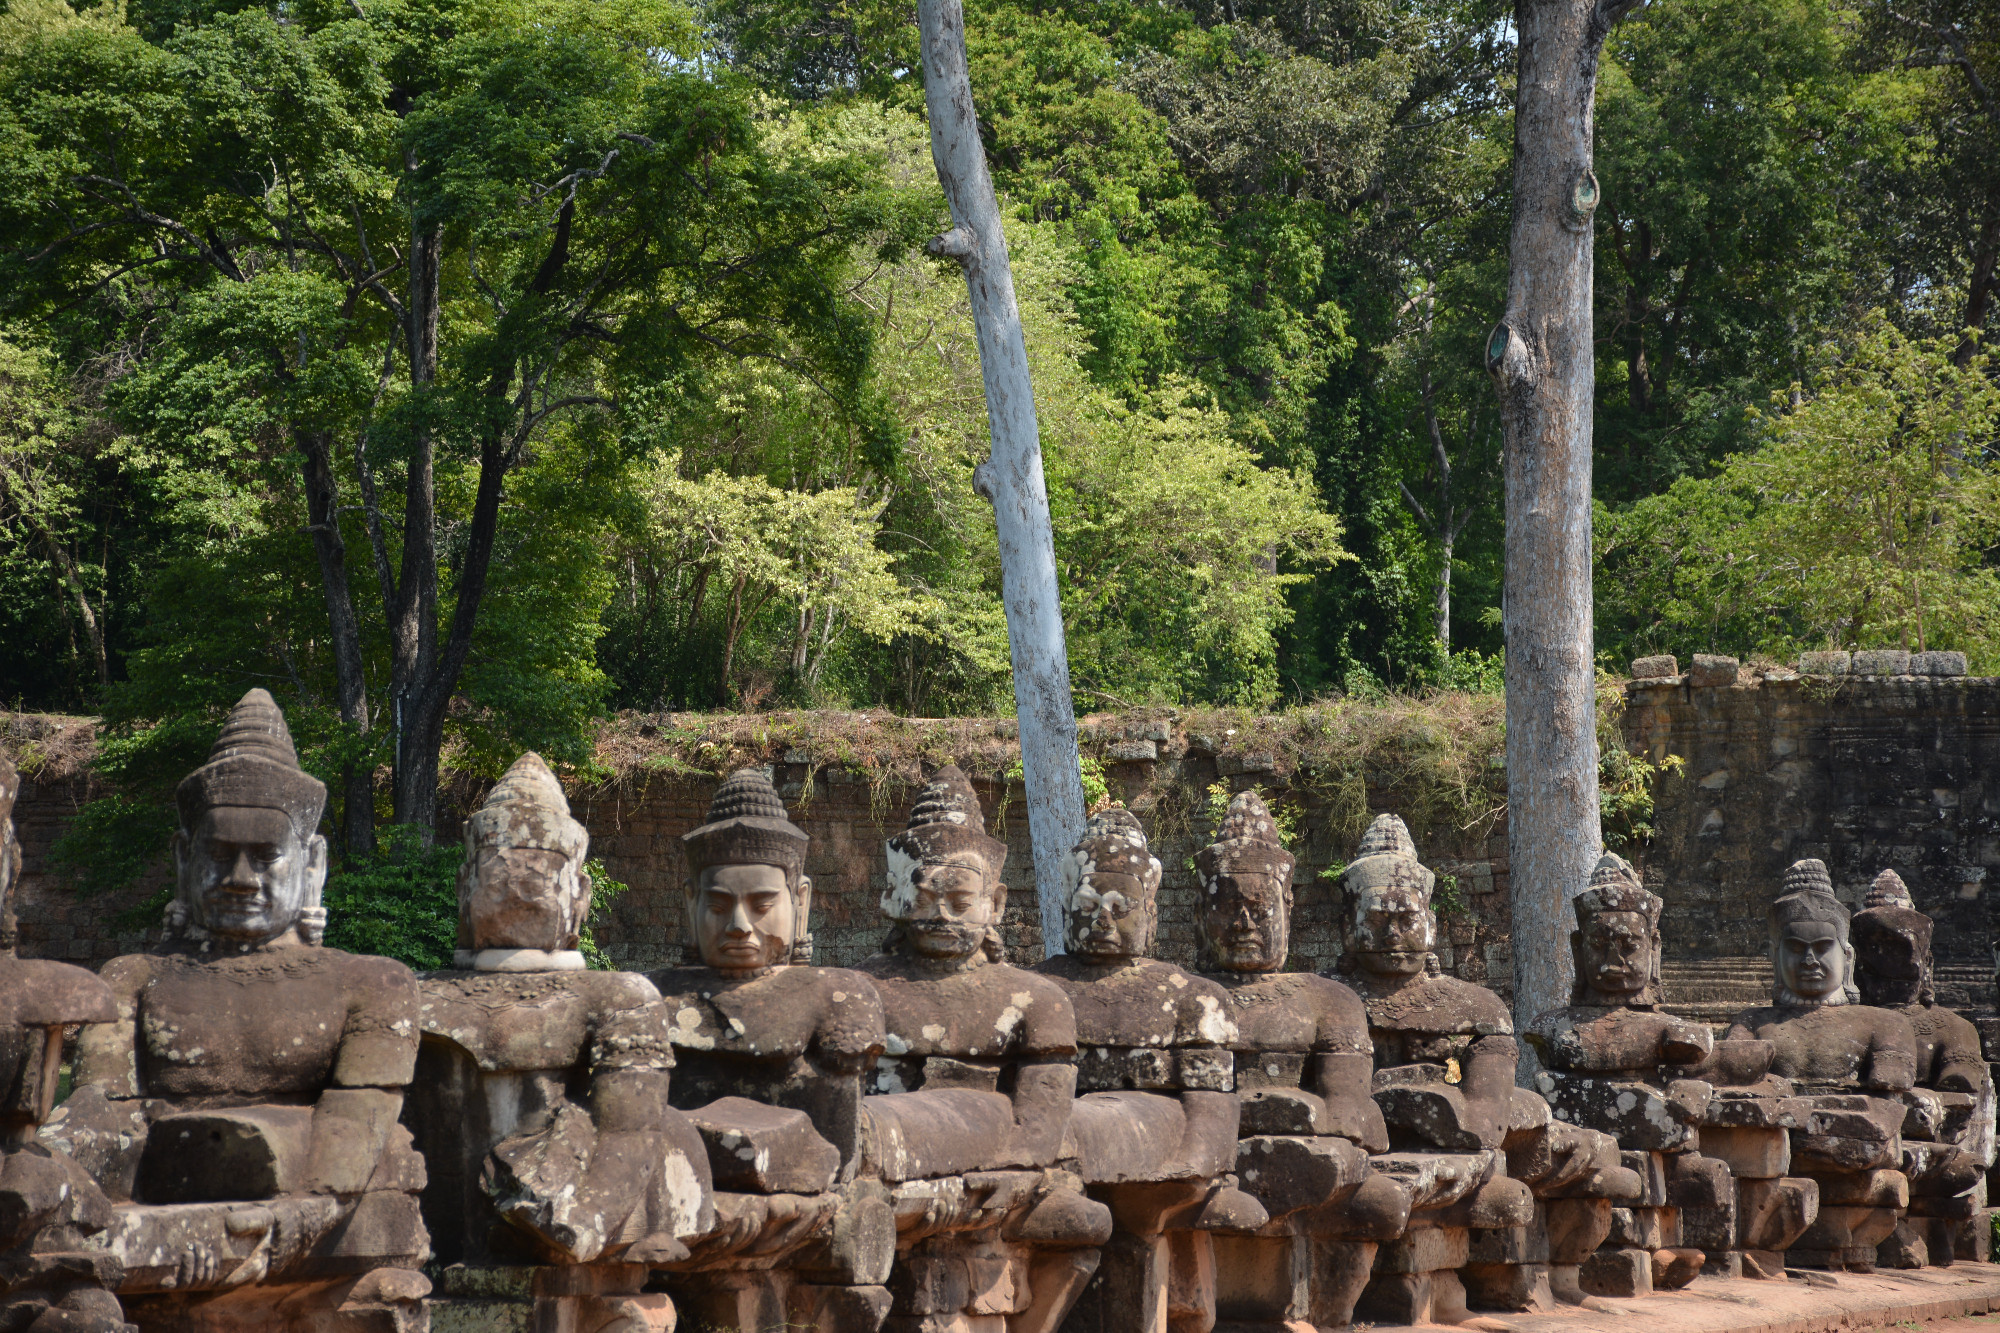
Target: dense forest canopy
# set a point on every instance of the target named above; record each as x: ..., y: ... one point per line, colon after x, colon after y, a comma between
x: 460, y: 371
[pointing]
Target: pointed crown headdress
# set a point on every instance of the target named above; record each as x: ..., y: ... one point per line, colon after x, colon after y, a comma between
x: 945, y: 821
x: 747, y: 825
x: 1113, y: 842
x: 527, y: 808
x: 253, y: 764
x: 1247, y: 841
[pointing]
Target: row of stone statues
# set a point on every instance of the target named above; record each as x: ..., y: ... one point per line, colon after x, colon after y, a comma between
x: 266, y: 1133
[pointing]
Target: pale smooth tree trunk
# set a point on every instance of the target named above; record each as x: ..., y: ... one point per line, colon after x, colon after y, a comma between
x: 1540, y: 356
x: 1011, y: 477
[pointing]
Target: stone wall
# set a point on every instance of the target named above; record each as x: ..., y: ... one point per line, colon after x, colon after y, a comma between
x: 1863, y: 772
x: 860, y: 791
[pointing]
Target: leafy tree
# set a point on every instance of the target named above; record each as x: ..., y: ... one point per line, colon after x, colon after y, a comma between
x: 1866, y: 513
x: 1737, y: 146
x: 402, y: 250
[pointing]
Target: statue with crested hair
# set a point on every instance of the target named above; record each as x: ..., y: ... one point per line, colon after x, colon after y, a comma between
x: 244, y: 1032
x: 969, y: 1105
x: 771, y: 1056
x: 1948, y: 1134
x: 541, y: 1102
x: 1845, y: 1065
x: 1445, y: 1060
x: 1156, y: 1117
x: 52, y: 1275
x: 1615, y: 1062
x: 1307, y: 1122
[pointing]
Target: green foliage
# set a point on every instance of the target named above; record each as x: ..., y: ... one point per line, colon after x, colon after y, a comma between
x: 604, y: 891
x: 401, y: 903
x: 1864, y: 514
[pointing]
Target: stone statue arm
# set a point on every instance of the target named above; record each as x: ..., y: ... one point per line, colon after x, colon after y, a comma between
x: 631, y: 1058
x: 353, y: 1117
x: 1043, y: 1075
x: 1488, y: 1085
x: 1892, y: 1055
x: 1343, y: 1080
x: 1961, y: 1067
x: 849, y: 1034
x: 107, y: 1054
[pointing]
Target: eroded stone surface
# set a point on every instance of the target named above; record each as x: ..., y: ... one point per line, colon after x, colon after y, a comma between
x: 52, y: 1273
x: 309, y: 1048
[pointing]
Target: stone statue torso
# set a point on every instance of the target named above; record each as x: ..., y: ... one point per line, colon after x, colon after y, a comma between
x: 990, y: 1013
x: 1144, y: 1002
x: 1281, y: 1017
x: 1831, y: 1043
x: 1429, y: 1020
x: 270, y: 1026
x: 1591, y: 1039
x: 520, y: 1021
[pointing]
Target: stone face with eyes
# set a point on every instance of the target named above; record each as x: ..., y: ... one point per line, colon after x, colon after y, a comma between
x: 246, y: 873
x: 944, y: 910
x: 743, y: 917
x: 1393, y: 930
x: 1246, y: 921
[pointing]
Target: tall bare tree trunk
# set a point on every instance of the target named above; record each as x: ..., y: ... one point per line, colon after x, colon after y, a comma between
x: 1540, y: 356
x: 357, y: 811
x: 1011, y: 477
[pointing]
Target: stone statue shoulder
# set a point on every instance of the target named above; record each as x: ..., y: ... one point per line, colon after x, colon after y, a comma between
x: 1439, y: 1005
x: 535, y: 1020
x: 39, y: 993
x: 1835, y: 1043
x: 994, y: 1011
x: 784, y: 1013
x: 1147, y: 1002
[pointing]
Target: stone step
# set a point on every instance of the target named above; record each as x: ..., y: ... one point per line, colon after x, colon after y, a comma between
x: 1715, y: 990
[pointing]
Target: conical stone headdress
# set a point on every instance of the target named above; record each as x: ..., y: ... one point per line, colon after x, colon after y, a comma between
x: 1248, y: 842
x: 527, y: 808
x: 1387, y: 858
x: 946, y: 820
x: 253, y: 764
x: 1113, y: 842
x: 747, y: 825
x: 1615, y: 887
x: 1807, y: 895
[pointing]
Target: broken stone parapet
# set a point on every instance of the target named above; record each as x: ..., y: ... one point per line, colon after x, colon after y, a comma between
x: 240, y: 1110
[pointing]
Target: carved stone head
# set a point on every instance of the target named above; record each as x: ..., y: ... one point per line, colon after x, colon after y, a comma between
x: 749, y: 899
x: 945, y: 897
x: 1245, y: 881
x: 1389, y: 925
x: 10, y: 853
x: 1892, y: 946
x: 249, y: 860
x: 1812, y: 962
x: 1113, y: 881
x: 1616, y: 943
x: 523, y: 894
